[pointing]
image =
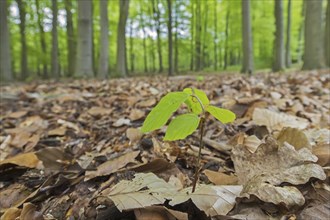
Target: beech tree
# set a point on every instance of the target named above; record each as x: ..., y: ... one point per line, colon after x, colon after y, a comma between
x: 279, y: 64
x: 104, y: 40
x: 22, y: 26
x: 55, y: 63
x: 247, y: 38
x: 5, y: 53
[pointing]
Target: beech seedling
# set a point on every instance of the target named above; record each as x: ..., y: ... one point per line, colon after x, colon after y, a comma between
x: 185, y: 124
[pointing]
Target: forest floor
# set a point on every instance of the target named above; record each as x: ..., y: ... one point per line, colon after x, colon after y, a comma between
x: 74, y: 150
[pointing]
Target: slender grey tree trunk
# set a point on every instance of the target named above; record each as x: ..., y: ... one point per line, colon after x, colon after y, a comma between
x: 70, y: 39
x: 176, y: 39
x: 288, y: 37
x: 131, y: 47
x: 313, y: 53
x: 84, y: 63
x: 248, y: 65
x: 121, y: 38
x: 215, y: 41
x: 226, y: 41
x: 22, y: 26
x: 5, y: 53
x: 327, y: 36
x: 192, y: 27
x: 204, y: 44
x: 42, y: 42
x: 279, y: 61
x: 144, y: 43
x: 170, y: 40
x: 301, y: 33
x: 55, y: 63
x: 104, y: 40
x: 156, y: 13
x: 198, y: 46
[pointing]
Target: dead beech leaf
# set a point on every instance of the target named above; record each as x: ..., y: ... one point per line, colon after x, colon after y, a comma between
x: 60, y: 131
x: 277, y: 121
x: 322, y: 151
x: 262, y: 172
x: 97, y: 111
x: 316, y: 212
x: 113, y: 165
x: 218, y: 178
x: 252, y: 143
x: 295, y: 137
x: 11, y: 213
x: 136, y: 114
x: 213, y: 200
x: 146, y: 103
x: 120, y: 122
x: 17, y: 114
x: 29, y: 212
x: 133, y: 134
x: 29, y: 160
x: 144, y: 190
x: 159, y: 213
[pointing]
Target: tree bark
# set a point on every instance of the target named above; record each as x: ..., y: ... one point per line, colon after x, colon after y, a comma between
x: 176, y: 46
x: 313, y: 53
x: 55, y: 63
x: 144, y: 44
x: 5, y: 53
x: 192, y: 27
x: 279, y: 59
x: 159, y: 42
x: 301, y: 33
x: 121, y: 39
x: 215, y: 41
x: 104, y: 40
x: 131, y: 46
x: 327, y: 36
x: 170, y: 41
x: 204, y: 45
x: 288, y: 37
x: 70, y: 38
x: 198, y: 37
x: 248, y: 65
x: 42, y: 42
x: 84, y: 47
x: 226, y: 41
x: 22, y: 26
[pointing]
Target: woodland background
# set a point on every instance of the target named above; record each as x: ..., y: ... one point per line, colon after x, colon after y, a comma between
x: 43, y: 39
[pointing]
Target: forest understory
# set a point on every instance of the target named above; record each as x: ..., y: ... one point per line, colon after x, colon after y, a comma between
x: 74, y: 150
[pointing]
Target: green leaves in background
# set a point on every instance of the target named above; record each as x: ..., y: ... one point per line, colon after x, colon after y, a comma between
x: 160, y: 114
x: 192, y: 103
x: 182, y: 126
x: 223, y: 115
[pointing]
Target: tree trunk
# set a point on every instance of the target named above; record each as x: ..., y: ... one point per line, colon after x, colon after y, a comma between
x: 301, y: 33
x: 43, y: 58
x: 55, y: 63
x: 121, y: 39
x: 288, y: 37
x: 279, y: 64
x: 198, y: 37
x: 247, y: 38
x: 22, y: 26
x: 327, y: 36
x: 192, y: 27
x: 226, y: 41
x: 176, y: 46
x: 5, y: 53
x: 313, y: 53
x: 170, y: 43
x: 215, y: 41
x: 70, y: 38
x: 131, y: 46
x: 204, y: 46
x: 84, y: 47
x: 144, y: 44
x: 159, y: 42
x: 104, y: 40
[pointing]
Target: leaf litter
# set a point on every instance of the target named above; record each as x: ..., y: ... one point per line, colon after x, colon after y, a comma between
x: 75, y: 150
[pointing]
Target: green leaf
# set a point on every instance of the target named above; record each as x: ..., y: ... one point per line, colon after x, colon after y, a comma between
x: 221, y: 114
x: 160, y: 114
x: 181, y: 127
x: 192, y: 103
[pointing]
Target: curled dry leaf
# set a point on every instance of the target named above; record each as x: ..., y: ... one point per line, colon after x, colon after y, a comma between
x: 277, y: 121
x: 159, y: 213
x: 136, y: 114
x: 99, y: 111
x: 133, y: 134
x: 29, y: 160
x: 120, y: 122
x: 295, y: 137
x: 11, y: 213
x: 218, y: 178
x: 262, y: 172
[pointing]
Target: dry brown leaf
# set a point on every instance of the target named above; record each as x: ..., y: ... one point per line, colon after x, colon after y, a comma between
x: 17, y: 114
x: 316, y: 212
x: 277, y: 121
x: 29, y: 212
x: 218, y: 178
x: 322, y: 151
x: 252, y: 143
x: 295, y: 137
x: 213, y: 200
x: 136, y: 114
x: 113, y: 165
x: 11, y: 214
x: 99, y: 111
x: 146, y: 103
x: 262, y: 172
x: 29, y: 160
x: 144, y: 190
x: 159, y: 213
x: 133, y: 134
x: 60, y: 131
x: 120, y: 122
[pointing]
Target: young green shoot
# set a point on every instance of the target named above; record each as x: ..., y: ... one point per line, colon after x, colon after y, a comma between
x: 185, y: 124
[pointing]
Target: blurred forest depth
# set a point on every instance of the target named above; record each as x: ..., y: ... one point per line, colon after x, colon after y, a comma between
x: 42, y: 39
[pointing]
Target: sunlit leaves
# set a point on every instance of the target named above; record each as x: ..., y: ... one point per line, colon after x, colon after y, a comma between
x: 181, y: 127
x: 223, y: 115
x: 192, y: 101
